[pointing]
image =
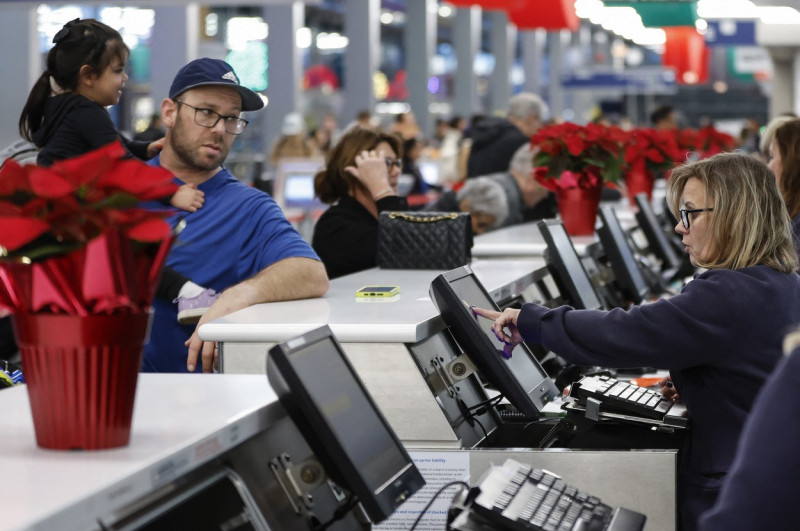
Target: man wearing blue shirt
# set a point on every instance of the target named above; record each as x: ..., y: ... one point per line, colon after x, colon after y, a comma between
x: 239, y: 243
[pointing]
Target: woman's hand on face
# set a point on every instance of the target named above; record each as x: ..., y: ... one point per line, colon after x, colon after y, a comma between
x: 371, y: 171
x: 507, y: 319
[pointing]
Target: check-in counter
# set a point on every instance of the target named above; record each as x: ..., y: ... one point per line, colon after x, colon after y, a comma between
x: 215, y: 451
x: 378, y: 335
x: 525, y: 240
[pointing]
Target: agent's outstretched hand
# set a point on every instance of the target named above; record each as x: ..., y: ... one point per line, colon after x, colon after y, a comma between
x: 507, y: 319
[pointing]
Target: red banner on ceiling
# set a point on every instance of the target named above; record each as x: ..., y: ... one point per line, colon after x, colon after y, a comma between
x: 526, y: 14
x: 686, y: 51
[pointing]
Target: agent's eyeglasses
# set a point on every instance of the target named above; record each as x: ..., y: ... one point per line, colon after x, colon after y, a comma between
x: 209, y: 118
x: 687, y: 215
x: 394, y: 162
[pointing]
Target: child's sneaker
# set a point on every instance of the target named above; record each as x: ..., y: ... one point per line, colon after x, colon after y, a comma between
x: 192, y: 308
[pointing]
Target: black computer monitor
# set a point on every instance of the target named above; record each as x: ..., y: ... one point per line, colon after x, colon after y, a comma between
x: 322, y: 394
x: 520, y: 379
x: 657, y: 239
x: 628, y: 277
x: 566, y: 267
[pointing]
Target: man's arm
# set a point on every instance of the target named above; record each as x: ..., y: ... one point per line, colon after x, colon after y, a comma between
x: 288, y: 279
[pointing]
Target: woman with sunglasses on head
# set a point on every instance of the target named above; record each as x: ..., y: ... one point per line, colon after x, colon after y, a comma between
x: 359, y: 181
x: 720, y: 338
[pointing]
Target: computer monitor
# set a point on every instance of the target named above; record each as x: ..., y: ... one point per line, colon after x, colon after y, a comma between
x: 293, y: 187
x: 628, y: 277
x: 321, y: 392
x: 566, y: 267
x: 429, y: 170
x: 657, y: 239
x: 520, y: 379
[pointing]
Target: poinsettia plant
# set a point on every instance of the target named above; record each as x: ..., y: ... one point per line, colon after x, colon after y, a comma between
x: 710, y: 141
x: 75, y: 238
x: 652, y: 151
x: 576, y: 156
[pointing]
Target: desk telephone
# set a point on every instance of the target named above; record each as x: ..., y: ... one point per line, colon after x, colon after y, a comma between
x: 515, y: 497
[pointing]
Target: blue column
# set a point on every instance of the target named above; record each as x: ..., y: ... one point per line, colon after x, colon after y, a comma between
x: 284, y: 72
x: 555, y: 91
x: 22, y: 65
x: 503, y: 43
x: 362, y: 27
x: 533, y: 41
x: 420, y: 39
x: 173, y: 43
x: 467, y: 42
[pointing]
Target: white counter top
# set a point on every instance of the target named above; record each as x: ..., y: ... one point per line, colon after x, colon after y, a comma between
x: 408, y: 317
x: 521, y: 241
x: 64, y: 490
x: 525, y: 239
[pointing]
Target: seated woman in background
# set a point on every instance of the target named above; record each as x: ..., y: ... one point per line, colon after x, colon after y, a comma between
x: 359, y: 181
x: 720, y: 337
x: 784, y: 161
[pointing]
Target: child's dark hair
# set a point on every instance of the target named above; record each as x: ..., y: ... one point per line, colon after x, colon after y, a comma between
x: 80, y: 42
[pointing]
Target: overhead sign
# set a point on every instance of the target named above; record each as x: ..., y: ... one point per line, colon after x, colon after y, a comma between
x: 731, y: 33
x: 639, y: 80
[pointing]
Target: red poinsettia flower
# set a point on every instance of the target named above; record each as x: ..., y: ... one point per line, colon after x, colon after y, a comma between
x: 79, y: 226
x: 653, y: 151
x: 593, y: 152
x: 709, y: 142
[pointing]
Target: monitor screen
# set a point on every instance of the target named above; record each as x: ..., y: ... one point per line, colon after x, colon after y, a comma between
x: 566, y: 267
x: 429, y: 170
x: 298, y: 191
x: 293, y: 185
x: 629, y: 279
x: 520, y: 379
x: 657, y: 239
x: 325, y: 398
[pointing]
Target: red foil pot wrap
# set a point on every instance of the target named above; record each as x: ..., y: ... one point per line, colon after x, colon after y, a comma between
x: 578, y: 209
x: 81, y: 374
x: 639, y: 181
x: 112, y: 274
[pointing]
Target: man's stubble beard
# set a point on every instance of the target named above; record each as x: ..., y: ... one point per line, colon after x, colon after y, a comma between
x: 187, y: 155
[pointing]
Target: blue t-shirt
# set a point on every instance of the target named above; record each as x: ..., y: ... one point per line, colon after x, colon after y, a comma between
x: 238, y: 232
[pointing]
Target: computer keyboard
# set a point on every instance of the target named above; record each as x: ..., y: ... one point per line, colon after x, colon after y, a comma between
x: 625, y: 397
x: 517, y: 497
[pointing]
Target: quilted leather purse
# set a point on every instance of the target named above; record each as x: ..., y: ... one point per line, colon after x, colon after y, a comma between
x: 424, y: 240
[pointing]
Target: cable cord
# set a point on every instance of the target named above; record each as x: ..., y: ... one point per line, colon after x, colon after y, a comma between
x: 435, y: 496
x: 339, y: 513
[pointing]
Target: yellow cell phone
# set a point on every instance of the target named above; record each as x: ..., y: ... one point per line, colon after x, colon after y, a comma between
x: 378, y: 291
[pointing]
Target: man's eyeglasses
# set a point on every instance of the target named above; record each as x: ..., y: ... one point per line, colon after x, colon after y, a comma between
x: 394, y: 162
x: 685, y: 214
x: 208, y: 118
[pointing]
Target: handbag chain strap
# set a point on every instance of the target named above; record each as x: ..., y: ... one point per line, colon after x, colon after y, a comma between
x: 421, y: 219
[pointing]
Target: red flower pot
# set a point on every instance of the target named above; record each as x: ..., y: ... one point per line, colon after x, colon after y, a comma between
x: 638, y: 181
x: 81, y: 374
x: 578, y: 209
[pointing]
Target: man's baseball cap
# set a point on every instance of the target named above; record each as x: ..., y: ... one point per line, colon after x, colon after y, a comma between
x: 205, y: 72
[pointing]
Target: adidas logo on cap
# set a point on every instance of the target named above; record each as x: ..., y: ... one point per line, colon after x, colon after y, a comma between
x: 231, y: 76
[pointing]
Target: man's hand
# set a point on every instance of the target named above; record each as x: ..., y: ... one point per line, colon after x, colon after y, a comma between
x: 289, y: 279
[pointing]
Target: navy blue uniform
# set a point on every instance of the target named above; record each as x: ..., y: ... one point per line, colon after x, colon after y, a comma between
x: 720, y: 339
x: 761, y: 490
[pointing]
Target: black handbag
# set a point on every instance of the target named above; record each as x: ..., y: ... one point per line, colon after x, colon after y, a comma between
x: 424, y: 240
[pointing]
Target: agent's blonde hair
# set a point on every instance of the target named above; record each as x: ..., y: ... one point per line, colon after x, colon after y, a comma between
x: 750, y: 224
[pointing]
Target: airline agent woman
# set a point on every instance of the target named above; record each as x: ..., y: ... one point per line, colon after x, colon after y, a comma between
x: 720, y: 338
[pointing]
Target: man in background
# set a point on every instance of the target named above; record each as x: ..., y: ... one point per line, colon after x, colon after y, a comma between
x: 494, y: 140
